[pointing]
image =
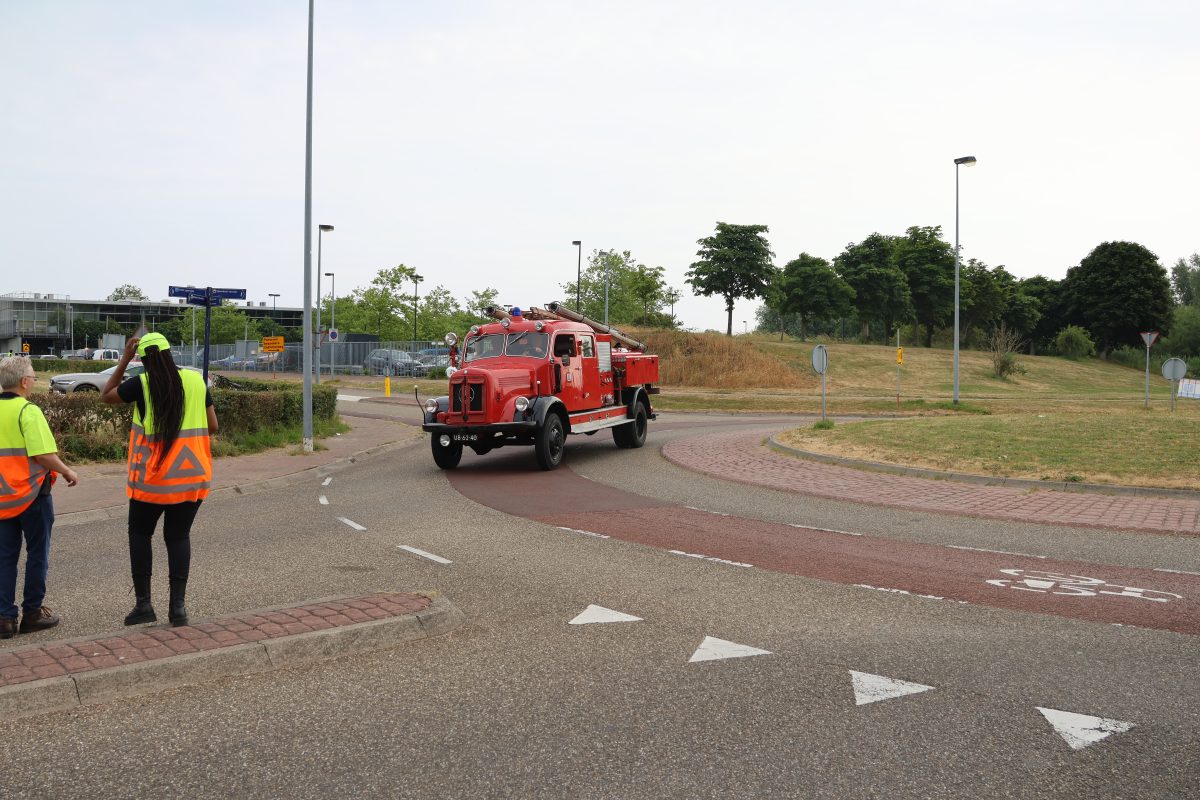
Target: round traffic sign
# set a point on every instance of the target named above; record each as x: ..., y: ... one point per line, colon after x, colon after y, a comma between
x: 333, y: 334
x: 820, y: 359
x: 1173, y: 369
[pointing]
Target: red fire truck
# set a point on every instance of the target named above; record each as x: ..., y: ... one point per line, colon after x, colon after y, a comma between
x: 533, y: 378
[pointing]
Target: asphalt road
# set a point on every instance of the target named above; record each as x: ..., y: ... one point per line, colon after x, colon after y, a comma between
x: 520, y: 703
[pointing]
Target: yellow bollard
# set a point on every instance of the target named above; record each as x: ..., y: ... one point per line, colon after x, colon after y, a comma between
x: 387, y: 385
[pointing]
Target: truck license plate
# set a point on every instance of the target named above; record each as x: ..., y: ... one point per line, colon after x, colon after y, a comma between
x: 465, y: 437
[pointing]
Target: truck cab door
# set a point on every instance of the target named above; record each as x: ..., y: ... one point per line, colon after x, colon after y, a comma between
x: 589, y: 364
x: 568, y: 372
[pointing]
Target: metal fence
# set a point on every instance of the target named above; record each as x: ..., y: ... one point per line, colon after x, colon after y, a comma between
x: 340, y: 358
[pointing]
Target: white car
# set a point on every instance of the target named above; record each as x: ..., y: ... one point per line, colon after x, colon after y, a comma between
x: 96, y: 381
x: 106, y: 355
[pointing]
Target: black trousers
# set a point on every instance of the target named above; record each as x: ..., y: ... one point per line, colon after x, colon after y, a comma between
x: 177, y: 529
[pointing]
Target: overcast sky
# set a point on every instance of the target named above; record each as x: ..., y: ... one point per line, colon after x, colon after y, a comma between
x: 162, y: 142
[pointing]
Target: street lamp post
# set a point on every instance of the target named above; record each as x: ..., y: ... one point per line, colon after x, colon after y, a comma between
x: 578, y: 271
x: 274, y: 356
x: 964, y: 161
x: 320, y: 230
x: 332, y: 321
x: 416, y: 282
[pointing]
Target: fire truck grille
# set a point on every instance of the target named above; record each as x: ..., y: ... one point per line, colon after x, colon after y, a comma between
x: 469, y: 395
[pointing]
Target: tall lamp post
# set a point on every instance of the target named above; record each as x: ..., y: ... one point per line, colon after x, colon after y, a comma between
x: 332, y: 320
x: 416, y: 282
x: 965, y: 161
x: 320, y: 230
x: 274, y: 356
x: 578, y: 271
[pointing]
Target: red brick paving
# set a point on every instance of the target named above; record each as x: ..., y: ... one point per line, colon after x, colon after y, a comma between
x: 743, y: 457
x: 51, y: 660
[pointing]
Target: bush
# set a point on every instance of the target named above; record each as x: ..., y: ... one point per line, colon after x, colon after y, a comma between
x: 823, y: 425
x: 61, y: 365
x: 87, y: 429
x: 1073, y: 342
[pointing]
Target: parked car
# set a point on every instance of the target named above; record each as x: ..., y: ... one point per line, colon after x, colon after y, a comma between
x: 432, y: 361
x: 394, y: 362
x: 434, y: 351
x: 106, y: 355
x: 96, y: 381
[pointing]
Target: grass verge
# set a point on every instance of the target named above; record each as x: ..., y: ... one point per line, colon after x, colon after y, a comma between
x: 1132, y: 450
x: 240, y: 443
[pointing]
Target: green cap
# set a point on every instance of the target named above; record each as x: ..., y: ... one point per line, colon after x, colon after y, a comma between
x: 152, y: 340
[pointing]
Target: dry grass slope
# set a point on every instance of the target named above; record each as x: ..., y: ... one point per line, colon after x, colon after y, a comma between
x: 715, y: 361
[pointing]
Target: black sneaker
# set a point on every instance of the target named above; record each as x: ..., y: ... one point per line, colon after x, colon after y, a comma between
x: 38, y: 620
x: 8, y: 627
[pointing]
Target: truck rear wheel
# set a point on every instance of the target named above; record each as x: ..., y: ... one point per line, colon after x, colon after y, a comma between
x: 550, y: 442
x: 632, y: 434
x: 446, y: 456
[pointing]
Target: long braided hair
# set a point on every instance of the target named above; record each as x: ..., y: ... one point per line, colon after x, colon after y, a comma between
x: 166, y: 397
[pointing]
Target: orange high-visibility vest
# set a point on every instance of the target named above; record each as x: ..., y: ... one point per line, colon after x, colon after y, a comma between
x: 20, y: 476
x: 185, y: 473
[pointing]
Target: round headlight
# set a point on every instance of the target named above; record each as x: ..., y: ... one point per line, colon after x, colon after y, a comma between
x: 450, y: 371
x: 504, y: 323
x: 539, y: 325
x: 474, y: 329
x: 431, y: 406
x: 444, y: 440
x: 522, y: 403
x: 451, y: 339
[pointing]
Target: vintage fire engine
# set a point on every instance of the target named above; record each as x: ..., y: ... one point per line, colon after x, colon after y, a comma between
x: 532, y: 378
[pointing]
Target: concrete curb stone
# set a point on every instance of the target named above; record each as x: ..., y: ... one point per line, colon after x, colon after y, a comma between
x: 151, y: 676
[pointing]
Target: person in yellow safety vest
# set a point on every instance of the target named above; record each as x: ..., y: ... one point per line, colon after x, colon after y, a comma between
x: 28, y: 463
x: 170, y: 465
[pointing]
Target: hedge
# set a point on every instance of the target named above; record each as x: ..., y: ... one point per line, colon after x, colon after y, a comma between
x: 87, y: 429
x: 63, y: 365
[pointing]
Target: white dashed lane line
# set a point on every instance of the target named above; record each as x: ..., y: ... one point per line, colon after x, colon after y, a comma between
x: 327, y: 481
x: 352, y: 524
x: 423, y: 554
x: 323, y: 500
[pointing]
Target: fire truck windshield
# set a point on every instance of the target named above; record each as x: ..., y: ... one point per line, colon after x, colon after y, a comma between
x: 528, y: 344
x: 487, y: 346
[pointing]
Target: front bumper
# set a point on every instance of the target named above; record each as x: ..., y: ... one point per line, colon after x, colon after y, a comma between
x: 479, y: 433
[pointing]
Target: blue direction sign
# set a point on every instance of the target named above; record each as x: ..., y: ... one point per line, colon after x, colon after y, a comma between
x: 207, y: 295
x: 182, y: 291
x: 229, y: 294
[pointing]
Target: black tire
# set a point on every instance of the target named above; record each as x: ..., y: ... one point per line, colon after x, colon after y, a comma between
x: 550, y: 442
x: 86, y: 387
x: 445, y: 456
x: 632, y: 434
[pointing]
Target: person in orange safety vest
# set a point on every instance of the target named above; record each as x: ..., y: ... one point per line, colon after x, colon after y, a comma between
x: 28, y: 463
x: 170, y: 465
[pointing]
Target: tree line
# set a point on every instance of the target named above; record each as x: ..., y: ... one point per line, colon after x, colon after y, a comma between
x: 887, y: 282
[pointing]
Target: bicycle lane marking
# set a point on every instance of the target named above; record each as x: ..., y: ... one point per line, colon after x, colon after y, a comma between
x: 929, y: 570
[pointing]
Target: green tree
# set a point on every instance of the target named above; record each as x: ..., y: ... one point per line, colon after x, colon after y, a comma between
x: 811, y: 289
x: 381, y: 306
x: 88, y: 332
x: 127, y: 291
x: 881, y: 293
x: 1052, y: 314
x: 735, y: 262
x: 636, y: 293
x: 1184, y: 340
x: 1185, y: 280
x: 981, y: 299
x: 1119, y: 290
x: 229, y: 324
x: 928, y: 263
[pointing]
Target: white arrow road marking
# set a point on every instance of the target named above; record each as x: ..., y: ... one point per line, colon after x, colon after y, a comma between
x: 323, y: 500
x: 423, y: 554
x: 1081, y: 730
x: 327, y: 481
x: 594, y: 613
x: 713, y: 649
x: 352, y: 524
x: 870, y: 688
x: 350, y: 398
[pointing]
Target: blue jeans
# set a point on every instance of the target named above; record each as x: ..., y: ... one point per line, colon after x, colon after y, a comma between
x: 34, y: 523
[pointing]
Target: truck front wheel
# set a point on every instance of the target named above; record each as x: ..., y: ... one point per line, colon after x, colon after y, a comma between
x: 446, y: 456
x: 550, y: 442
x: 632, y: 434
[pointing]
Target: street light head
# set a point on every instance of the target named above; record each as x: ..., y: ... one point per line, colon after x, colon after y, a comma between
x: 272, y: 294
x: 326, y: 228
x: 966, y: 161
x: 577, y: 242
x: 328, y: 274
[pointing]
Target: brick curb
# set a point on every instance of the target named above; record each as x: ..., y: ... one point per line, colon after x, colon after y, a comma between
x: 67, y: 674
x: 982, y: 480
x: 121, y: 511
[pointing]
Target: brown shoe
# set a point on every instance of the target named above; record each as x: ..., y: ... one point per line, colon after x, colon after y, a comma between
x: 8, y: 627
x: 38, y: 620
